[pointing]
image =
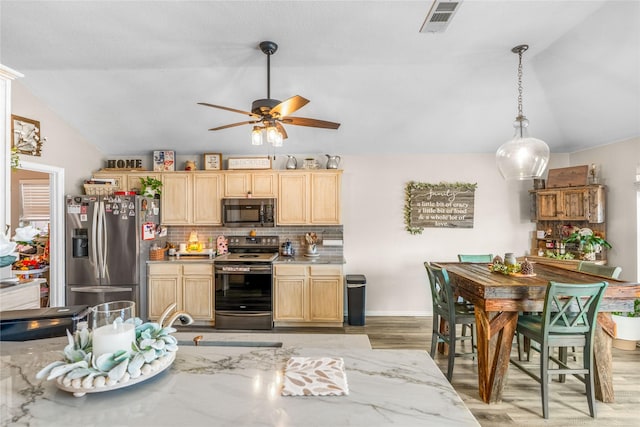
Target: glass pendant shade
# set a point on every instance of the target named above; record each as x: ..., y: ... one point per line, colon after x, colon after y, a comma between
x: 523, y: 157
x: 256, y: 135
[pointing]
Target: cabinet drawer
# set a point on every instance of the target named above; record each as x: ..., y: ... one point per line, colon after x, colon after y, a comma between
x: 325, y: 270
x: 170, y: 269
x: 290, y: 270
x: 205, y: 269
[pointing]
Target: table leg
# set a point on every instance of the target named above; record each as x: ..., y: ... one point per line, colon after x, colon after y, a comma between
x: 603, y: 366
x: 495, y: 337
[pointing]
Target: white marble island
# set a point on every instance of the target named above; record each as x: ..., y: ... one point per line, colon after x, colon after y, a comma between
x: 237, y: 386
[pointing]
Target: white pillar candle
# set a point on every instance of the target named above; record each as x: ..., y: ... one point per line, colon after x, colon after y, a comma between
x: 114, y: 337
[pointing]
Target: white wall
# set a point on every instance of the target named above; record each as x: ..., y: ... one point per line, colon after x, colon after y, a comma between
x: 65, y: 147
x: 377, y: 245
x: 617, y: 164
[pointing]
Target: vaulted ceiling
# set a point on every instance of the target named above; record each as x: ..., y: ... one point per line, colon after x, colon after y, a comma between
x: 128, y: 74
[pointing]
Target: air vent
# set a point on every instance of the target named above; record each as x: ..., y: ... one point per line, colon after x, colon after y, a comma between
x: 439, y: 16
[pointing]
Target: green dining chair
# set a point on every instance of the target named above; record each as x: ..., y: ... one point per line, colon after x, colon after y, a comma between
x: 446, y: 308
x: 610, y: 271
x: 568, y: 319
x: 475, y: 258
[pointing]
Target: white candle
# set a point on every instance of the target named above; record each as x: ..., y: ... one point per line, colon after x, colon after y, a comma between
x: 114, y: 337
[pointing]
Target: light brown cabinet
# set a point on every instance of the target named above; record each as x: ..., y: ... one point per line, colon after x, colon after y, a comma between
x: 126, y: 181
x: 308, y: 295
x: 190, y: 286
x: 191, y: 198
x: 306, y: 197
x: 259, y: 184
x: 574, y: 203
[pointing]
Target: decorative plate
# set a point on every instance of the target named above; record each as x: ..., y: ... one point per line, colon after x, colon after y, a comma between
x: 153, y: 369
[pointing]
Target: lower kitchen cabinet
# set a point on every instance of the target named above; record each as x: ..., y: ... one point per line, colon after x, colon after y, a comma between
x: 308, y: 295
x: 190, y: 286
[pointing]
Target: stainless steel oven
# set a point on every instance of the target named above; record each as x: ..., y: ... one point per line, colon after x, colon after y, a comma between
x: 244, y: 283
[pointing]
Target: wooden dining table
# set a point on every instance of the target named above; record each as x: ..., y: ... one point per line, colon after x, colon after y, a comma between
x: 497, y: 299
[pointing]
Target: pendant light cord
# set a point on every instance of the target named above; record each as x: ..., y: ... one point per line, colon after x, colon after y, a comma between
x: 520, y: 83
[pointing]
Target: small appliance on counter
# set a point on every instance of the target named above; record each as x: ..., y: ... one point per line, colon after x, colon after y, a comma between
x: 287, y: 249
x: 38, y: 323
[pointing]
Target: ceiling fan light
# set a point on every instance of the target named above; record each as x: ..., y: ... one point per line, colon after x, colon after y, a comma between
x: 272, y: 134
x: 256, y: 135
x: 278, y: 140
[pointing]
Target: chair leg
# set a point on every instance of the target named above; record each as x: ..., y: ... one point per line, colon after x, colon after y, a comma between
x: 434, y: 335
x: 544, y: 379
x: 562, y: 355
x: 588, y: 378
x: 452, y: 351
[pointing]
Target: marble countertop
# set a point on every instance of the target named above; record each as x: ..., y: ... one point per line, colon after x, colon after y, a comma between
x: 237, y: 386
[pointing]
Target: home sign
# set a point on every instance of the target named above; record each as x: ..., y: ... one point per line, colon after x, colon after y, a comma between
x: 124, y: 164
x: 442, y: 205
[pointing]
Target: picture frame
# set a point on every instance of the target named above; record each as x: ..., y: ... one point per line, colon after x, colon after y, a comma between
x: 249, y: 163
x: 212, y: 161
x: 25, y: 136
x: 164, y: 161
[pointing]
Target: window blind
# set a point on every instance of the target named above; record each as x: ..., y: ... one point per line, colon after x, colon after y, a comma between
x: 34, y: 199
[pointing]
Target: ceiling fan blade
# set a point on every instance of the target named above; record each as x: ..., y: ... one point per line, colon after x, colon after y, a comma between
x: 230, y: 109
x: 303, y: 121
x: 235, y: 124
x: 282, y: 131
x: 288, y: 106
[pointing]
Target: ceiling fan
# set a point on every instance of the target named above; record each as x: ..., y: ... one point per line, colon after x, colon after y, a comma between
x: 270, y: 114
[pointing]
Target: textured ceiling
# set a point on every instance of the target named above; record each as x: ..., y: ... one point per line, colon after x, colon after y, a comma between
x: 128, y: 74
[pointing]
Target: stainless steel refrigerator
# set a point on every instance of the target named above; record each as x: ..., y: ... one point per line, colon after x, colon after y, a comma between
x: 107, y: 246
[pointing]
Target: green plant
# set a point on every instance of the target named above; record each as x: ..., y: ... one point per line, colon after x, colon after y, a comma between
x: 15, y: 159
x: 150, y: 186
x: 587, y: 241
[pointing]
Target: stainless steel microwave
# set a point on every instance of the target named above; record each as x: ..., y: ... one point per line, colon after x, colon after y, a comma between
x: 249, y: 212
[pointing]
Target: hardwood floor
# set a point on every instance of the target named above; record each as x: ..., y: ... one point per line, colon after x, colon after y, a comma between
x: 521, y: 404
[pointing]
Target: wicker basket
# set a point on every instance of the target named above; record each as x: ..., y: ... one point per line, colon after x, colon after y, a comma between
x: 99, y: 189
x: 156, y: 254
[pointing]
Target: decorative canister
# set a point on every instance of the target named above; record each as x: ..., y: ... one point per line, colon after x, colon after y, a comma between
x: 292, y: 162
x: 509, y: 258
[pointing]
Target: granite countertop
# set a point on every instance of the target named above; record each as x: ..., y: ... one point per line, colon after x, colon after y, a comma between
x: 235, y: 386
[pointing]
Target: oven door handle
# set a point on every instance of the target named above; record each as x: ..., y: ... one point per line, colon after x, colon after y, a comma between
x: 243, y: 314
x: 252, y: 270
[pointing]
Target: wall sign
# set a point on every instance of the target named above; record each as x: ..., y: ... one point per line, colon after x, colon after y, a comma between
x: 124, y: 164
x: 442, y: 205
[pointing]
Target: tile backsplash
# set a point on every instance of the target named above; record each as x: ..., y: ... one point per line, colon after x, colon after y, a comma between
x: 295, y: 234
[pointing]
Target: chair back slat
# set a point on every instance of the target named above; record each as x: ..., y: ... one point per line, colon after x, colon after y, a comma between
x: 572, y: 308
x: 610, y: 271
x: 441, y: 292
x: 475, y: 258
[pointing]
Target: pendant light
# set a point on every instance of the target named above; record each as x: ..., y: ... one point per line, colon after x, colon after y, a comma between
x: 523, y: 157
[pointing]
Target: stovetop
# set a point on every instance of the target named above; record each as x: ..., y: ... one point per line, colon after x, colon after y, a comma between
x: 251, y: 249
x: 247, y: 257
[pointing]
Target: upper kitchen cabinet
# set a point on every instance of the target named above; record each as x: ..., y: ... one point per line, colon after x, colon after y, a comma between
x: 306, y: 197
x: 259, y: 184
x: 127, y: 180
x: 133, y: 179
x: 191, y: 198
x: 572, y: 203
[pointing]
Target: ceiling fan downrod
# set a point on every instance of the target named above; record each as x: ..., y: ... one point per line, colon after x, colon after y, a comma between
x: 268, y: 48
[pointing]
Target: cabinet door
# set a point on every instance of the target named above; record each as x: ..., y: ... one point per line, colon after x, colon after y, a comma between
x: 575, y: 204
x: 197, y: 296
x: 293, y: 200
x: 326, y: 299
x: 176, y: 198
x: 237, y: 184
x: 133, y: 179
x: 263, y: 184
x: 206, y: 198
x: 163, y: 291
x: 548, y: 203
x: 325, y: 198
x: 289, y: 298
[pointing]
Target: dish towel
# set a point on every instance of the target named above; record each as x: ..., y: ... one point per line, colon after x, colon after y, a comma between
x: 315, y: 376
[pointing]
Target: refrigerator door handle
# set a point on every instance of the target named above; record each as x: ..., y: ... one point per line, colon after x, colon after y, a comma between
x: 100, y: 232
x: 94, y: 246
x: 104, y: 239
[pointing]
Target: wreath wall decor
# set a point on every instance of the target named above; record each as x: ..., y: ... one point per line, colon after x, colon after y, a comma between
x: 442, y: 205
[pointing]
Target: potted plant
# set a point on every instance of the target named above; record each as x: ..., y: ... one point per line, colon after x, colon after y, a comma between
x: 627, y: 327
x: 589, y: 243
x: 151, y: 187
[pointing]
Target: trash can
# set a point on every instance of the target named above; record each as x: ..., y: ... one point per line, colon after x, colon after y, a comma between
x: 355, y: 298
